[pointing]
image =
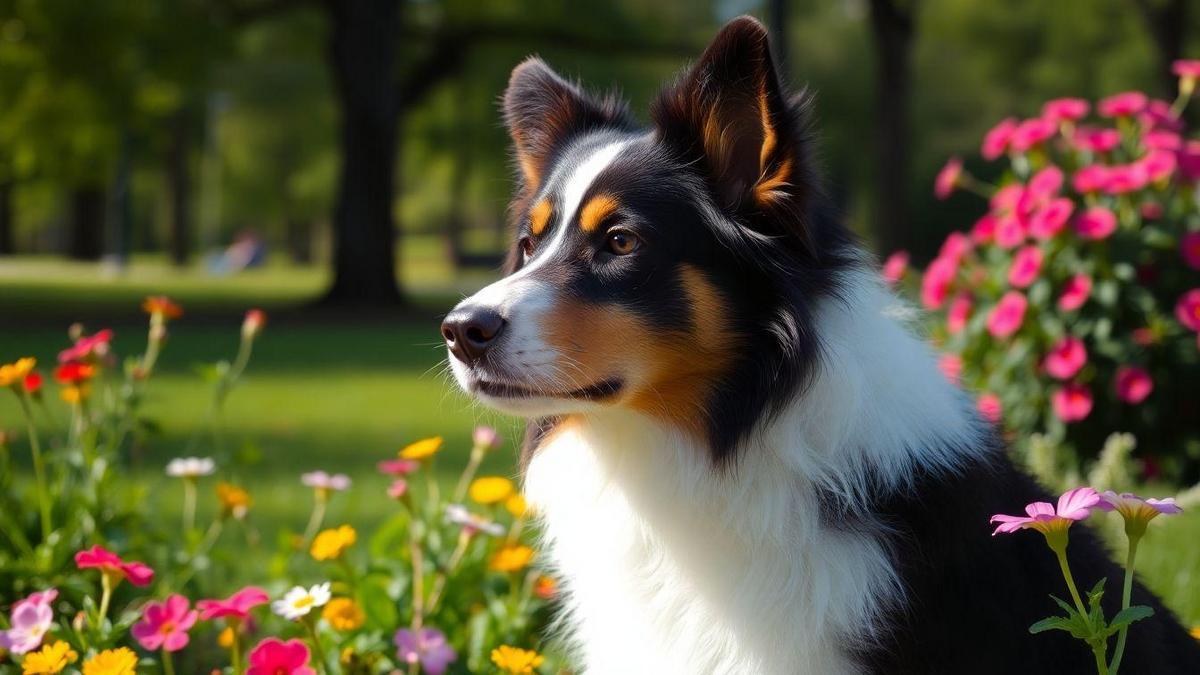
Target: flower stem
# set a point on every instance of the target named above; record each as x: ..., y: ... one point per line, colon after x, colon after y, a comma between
x: 39, y: 467
x: 439, y: 583
x: 1098, y: 652
x: 319, y: 651
x: 315, y: 520
x: 235, y: 650
x: 418, y: 571
x: 460, y: 490
x: 168, y: 666
x: 106, y: 590
x: 189, y: 504
x: 1066, y: 571
x: 1126, y: 597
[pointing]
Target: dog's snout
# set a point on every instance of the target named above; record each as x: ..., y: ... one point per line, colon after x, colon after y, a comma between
x: 470, y: 331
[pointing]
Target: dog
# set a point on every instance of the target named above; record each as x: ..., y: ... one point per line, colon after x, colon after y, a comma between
x: 743, y: 459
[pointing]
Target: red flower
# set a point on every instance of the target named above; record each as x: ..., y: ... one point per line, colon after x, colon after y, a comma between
x: 959, y: 312
x: 161, y: 305
x: 1133, y: 384
x: 276, y: 657
x: 109, y: 563
x: 1065, y: 109
x: 87, y: 346
x: 1122, y: 105
x: 32, y: 383
x: 1025, y: 267
x: 895, y: 267
x: 236, y: 606
x: 996, y: 141
x: 1075, y: 292
x: 253, y: 324
x: 1051, y: 218
x: 1066, y: 358
x: 1189, y: 246
x: 1096, y: 223
x: 73, y: 373
x: 947, y: 178
x: 1008, y: 315
x: 1187, y: 310
x: 1072, y: 402
x: 1031, y: 133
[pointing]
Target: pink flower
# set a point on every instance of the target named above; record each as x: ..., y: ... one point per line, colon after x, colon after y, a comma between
x: 1025, y: 267
x: 1096, y: 140
x: 110, y: 564
x: 1189, y: 162
x: 486, y: 438
x: 276, y: 657
x: 1076, y: 292
x: 895, y: 266
x: 984, y: 229
x: 398, y: 467
x: 323, y: 481
x: 31, y: 619
x: 1072, y: 402
x: 1122, y: 105
x: 470, y: 522
x: 1066, y: 358
x: 397, y: 489
x: 1091, y: 178
x: 1009, y: 232
x: 1187, y: 68
x: 1031, y: 133
x: 955, y: 247
x: 1151, y: 210
x: 1096, y: 223
x: 165, y: 625
x: 1158, y: 165
x: 1189, y: 246
x: 1043, y: 187
x: 989, y: 406
x: 1008, y: 315
x: 1051, y: 218
x: 427, y: 646
x: 87, y: 346
x: 1073, y: 505
x: 951, y: 367
x: 1157, y: 115
x: 1136, y: 509
x: 996, y: 141
x: 236, y: 606
x: 959, y: 313
x: 1065, y: 109
x: 936, y: 282
x: 253, y: 323
x: 1126, y: 178
x: 1162, y: 140
x: 947, y: 178
x: 1006, y: 199
x: 1187, y: 309
x: 1133, y: 384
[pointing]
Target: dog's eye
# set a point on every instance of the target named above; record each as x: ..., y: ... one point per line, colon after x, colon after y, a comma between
x: 621, y: 242
x: 526, y: 245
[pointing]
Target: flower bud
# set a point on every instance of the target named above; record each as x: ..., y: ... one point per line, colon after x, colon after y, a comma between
x: 252, y: 325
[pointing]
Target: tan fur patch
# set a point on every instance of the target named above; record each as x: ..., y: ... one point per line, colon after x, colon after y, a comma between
x: 768, y: 143
x: 539, y: 216
x: 770, y: 189
x: 670, y: 374
x: 596, y: 210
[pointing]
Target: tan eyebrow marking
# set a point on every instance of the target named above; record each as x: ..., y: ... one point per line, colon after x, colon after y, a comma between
x: 596, y: 210
x: 539, y: 216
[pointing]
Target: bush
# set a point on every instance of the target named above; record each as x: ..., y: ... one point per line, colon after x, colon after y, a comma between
x: 89, y: 577
x: 1072, y: 305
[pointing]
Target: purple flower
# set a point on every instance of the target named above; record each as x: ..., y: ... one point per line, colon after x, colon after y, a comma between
x: 427, y: 646
x: 1044, y: 517
x: 1136, y: 509
x: 31, y: 620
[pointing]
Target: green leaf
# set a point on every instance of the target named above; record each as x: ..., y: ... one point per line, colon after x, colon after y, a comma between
x: 377, y: 604
x: 1052, y: 623
x: 1128, y: 616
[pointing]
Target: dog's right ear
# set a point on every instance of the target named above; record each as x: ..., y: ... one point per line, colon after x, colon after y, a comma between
x: 542, y: 110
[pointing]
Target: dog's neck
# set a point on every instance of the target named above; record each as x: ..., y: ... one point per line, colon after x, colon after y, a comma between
x: 683, y: 566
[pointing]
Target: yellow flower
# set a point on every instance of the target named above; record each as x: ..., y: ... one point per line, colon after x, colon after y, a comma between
x: 516, y: 505
x: 119, y: 661
x: 491, y: 489
x: 1196, y: 632
x: 48, y: 660
x: 225, y: 639
x: 330, y: 544
x: 423, y: 449
x: 516, y: 660
x: 234, y: 500
x: 511, y: 558
x: 343, y: 614
x: 12, y: 374
x: 75, y: 393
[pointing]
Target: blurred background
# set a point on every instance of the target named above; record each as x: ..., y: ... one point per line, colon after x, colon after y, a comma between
x: 341, y: 164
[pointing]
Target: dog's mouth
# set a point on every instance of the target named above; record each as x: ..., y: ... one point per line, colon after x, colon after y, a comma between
x: 604, y: 389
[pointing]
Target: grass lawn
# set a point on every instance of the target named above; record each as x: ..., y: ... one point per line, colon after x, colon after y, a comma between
x: 328, y: 392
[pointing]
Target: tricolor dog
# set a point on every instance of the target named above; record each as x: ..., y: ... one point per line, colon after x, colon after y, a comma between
x: 744, y: 460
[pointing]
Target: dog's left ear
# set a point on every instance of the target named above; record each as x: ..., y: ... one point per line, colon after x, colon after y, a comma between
x: 729, y: 112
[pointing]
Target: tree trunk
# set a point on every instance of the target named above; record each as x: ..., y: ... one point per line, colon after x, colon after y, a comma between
x: 892, y: 28
x: 362, y: 54
x: 180, y: 188
x: 86, y: 240
x: 1166, y: 20
x: 6, y: 218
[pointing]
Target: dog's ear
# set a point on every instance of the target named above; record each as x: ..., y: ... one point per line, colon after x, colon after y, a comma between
x: 729, y: 113
x: 542, y: 110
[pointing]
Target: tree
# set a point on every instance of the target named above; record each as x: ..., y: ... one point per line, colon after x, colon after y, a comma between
x: 893, y: 31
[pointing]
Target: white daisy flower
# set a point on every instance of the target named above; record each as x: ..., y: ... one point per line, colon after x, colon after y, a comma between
x: 300, y: 601
x: 191, y: 467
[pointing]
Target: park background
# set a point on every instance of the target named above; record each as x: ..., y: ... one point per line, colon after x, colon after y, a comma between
x: 360, y: 144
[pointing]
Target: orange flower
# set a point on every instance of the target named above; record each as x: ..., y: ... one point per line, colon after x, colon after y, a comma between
x: 162, y: 306
x: 516, y: 660
x: 234, y: 500
x: 422, y: 449
x: 511, y: 558
x: 12, y: 374
x: 343, y: 614
x: 545, y: 587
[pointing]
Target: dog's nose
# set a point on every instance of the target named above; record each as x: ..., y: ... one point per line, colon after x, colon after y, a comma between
x: 469, y: 331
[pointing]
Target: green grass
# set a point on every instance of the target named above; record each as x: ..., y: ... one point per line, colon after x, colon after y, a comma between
x: 334, y: 393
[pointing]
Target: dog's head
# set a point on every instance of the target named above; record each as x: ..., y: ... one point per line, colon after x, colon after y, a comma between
x: 670, y: 271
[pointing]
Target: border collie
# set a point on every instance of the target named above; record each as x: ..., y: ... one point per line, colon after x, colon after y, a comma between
x: 743, y: 459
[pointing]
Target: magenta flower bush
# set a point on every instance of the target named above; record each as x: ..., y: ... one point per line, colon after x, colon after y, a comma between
x: 1072, y: 305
